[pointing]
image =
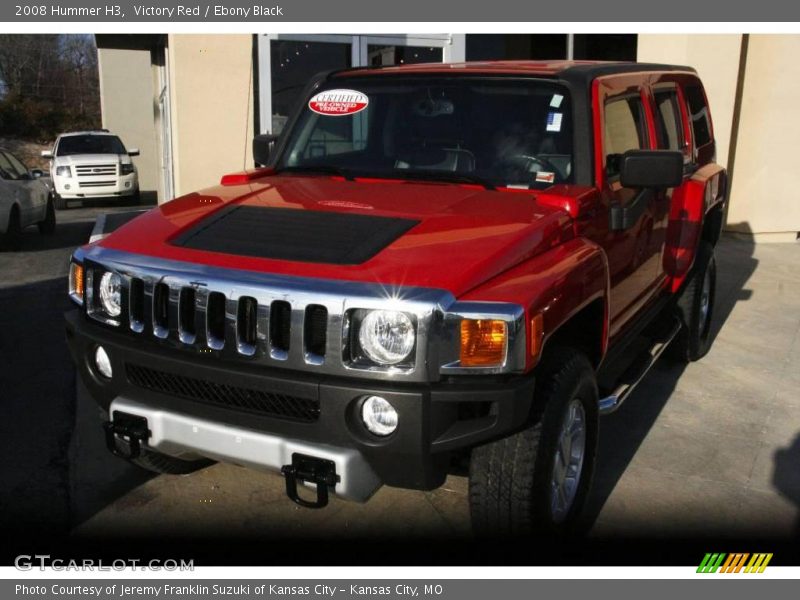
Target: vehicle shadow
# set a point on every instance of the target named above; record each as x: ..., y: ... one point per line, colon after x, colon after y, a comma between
x: 622, y: 433
x: 786, y: 476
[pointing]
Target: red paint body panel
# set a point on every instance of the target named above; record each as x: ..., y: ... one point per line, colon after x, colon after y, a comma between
x: 558, y: 284
x: 465, y: 234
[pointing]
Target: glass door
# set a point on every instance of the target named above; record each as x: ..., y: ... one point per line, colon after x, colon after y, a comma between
x: 287, y: 63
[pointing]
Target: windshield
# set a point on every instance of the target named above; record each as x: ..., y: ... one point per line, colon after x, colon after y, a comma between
x: 515, y: 133
x: 89, y: 144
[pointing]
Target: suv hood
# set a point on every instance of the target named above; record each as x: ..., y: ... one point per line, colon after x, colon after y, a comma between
x: 90, y: 159
x: 425, y: 234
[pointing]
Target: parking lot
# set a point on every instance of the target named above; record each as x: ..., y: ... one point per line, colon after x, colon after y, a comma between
x: 711, y: 449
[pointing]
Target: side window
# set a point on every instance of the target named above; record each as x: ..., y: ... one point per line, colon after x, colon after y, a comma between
x: 668, y: 120
x: 16, y: 164
x: 6, y: 170
x: 698, y: 111
x: 624, y: 130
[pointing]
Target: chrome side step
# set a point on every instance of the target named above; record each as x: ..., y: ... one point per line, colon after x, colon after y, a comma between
x: 612, y: 402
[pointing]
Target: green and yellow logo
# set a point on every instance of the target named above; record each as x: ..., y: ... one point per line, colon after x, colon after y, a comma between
x: 734, y: 563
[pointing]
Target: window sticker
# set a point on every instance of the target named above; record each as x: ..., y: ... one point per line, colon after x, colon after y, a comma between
x: 556, y: 100
x: 545, y: 177
x: 554, y: 121
x: 338, y: 103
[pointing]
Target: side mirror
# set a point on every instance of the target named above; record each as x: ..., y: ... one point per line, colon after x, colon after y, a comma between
x: 47, y: 154
x: 651, y: 169
x: 133, y: 152
x: 37, y: 173
x: 263, y: 147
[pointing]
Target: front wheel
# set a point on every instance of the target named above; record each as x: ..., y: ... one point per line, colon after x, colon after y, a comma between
x: 536, y: 482
x: 59, y: 202
x: 47, y: 226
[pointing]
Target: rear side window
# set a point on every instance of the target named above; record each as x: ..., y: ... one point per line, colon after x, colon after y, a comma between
x: 624, y: 130
x: 698, y: 111
x: 668, y: 120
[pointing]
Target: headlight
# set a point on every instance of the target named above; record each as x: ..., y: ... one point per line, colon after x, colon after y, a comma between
x: 63, y: 172
x: 111, y: 294
x: 126, y: 168
x: 387, y: 336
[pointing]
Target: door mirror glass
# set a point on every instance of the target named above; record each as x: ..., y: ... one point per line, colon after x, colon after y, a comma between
x: 651, y: 169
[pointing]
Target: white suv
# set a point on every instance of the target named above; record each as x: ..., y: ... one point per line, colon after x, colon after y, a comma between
x: 92, y: 164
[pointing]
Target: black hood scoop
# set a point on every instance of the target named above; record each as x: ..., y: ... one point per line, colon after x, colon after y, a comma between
x: 293, y: 234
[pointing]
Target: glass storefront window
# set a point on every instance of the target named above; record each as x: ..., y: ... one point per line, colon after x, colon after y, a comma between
x: 383, y: 55
x: 293, y: 65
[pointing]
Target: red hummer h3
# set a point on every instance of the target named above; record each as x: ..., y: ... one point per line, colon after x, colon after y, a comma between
x: 434, y: 262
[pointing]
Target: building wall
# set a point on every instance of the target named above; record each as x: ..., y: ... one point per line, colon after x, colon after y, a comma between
x: 211, y: 93
x: 764, y: 196
x: 126, y: 100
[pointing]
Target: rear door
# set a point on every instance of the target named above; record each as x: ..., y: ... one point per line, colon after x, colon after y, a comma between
x: 32, y: 204
x: 668, y: 108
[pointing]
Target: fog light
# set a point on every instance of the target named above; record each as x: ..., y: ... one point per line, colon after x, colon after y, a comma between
x: 102, y: 362
x: 379, y: 416
x: 127, y: 184
x: 66, y: 186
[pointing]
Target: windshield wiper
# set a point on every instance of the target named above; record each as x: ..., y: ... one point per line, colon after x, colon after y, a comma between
x: 326, y: 169
x: 444, y: 176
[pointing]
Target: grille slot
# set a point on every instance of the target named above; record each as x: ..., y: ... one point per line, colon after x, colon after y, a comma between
x: 245, y: 399
x: 187, y: 330
x: 89, y: 184
x: 215, y: 320
x: 246, y: 325
x: 315, y: 334
x: 280, y: 317
x: 136, y: 304
x: 161, y: 310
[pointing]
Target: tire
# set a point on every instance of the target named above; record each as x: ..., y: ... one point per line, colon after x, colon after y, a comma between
x: 12, y: 238
x: 59, y: 202
x: 695, y: 307
x: 511, y: 481
x: 48, y: 225
x: 155, y: 462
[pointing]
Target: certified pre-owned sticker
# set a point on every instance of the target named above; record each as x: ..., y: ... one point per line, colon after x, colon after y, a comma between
x: 337, y: 103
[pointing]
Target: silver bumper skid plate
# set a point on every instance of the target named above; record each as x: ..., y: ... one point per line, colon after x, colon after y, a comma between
x: 135, y: 426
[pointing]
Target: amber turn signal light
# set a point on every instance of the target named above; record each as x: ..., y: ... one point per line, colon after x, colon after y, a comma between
x: 76, y: 281
x: 483, y: 342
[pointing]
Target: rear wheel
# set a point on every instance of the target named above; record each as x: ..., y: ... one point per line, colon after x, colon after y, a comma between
x: 695, y: 307
x: 48, y: 225
x: 13, y: 235
x: 536, y: 482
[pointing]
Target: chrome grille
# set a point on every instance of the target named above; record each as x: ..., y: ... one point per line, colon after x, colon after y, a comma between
x: 279, y: 321
x: 95, y: 170
x: 197, y: 317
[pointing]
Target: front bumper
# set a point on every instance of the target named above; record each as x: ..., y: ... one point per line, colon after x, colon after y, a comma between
x: 435, y: 420
x: 96, y: 187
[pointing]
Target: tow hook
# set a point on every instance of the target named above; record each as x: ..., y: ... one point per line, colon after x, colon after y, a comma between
x: 312, y: 470
x: 131, y: 430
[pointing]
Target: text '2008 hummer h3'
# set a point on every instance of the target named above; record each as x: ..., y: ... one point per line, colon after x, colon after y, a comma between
x: 434, y: 263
